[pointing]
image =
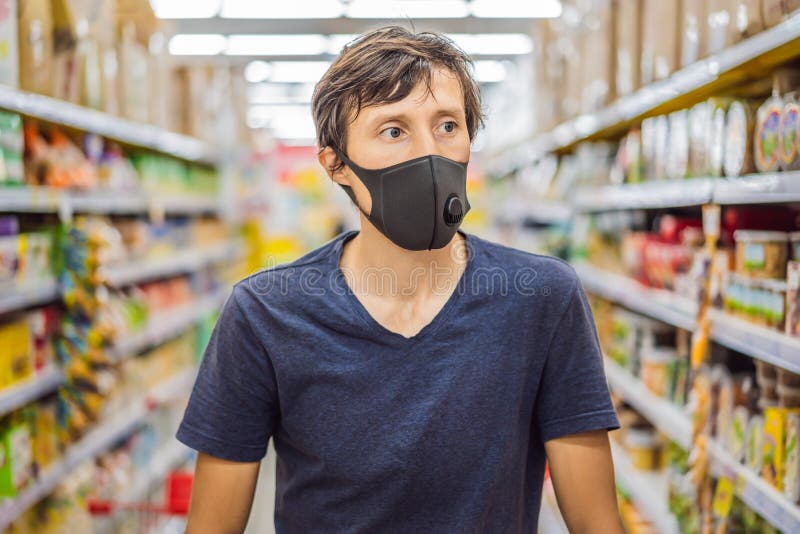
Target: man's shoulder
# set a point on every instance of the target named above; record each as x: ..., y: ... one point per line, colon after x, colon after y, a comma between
x: 289, y: 277
x: 550, y: 270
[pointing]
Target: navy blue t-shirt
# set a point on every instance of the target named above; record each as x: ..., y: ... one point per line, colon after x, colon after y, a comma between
x: 443, y: 431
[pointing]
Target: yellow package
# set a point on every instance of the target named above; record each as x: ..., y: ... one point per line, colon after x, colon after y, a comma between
x: 15, y: 352
x: 772, y: 467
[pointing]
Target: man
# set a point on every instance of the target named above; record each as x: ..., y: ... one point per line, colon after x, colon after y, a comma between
x: 412, y: 376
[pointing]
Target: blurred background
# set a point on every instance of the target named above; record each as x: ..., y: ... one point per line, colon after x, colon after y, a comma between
x: 154, y: 152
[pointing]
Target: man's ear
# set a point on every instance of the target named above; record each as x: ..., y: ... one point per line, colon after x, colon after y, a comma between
x: 329, y: 160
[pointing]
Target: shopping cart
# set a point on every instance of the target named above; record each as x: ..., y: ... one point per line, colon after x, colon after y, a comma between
x: 146, y: 517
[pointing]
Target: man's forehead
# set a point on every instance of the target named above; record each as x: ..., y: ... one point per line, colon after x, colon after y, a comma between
x: 444, y: 95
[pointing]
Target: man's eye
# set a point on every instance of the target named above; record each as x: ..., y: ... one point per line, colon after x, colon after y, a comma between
x: 449, y: 126
x: 394, y: 132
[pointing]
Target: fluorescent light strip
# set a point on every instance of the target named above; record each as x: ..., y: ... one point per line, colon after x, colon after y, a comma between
x: 285, y: 45
x: 196, y: 9
x: 415, y: 9
x: 514, y: 9
x: 197, y: 44
x: 490, y: 71
x: 278, y: 9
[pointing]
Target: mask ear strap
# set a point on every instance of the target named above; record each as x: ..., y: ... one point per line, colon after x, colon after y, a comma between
x: 347, y: 188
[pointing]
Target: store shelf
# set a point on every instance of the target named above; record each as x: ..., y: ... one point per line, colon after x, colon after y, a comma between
x: 754, y: 56
x: 757, y: 494
x: 768, y: 345
x: 759, y: 342
x: 649, y: 195
x: 754, y: 492
x: 167, y: 458
x: 781, y: 187
x: 183, y: 261
x: 647, y: 490
x: 669, y: 419
x: 28, y: 295
x: 655, y: 303
x: 123, y: 130
x: 42, y: 383
x: 774, y: 188
x: 167, y: 325
x: 94, y: 443
x: 53, y: 200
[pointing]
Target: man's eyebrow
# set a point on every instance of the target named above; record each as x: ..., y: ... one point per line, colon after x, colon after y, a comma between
x: 402, y: 117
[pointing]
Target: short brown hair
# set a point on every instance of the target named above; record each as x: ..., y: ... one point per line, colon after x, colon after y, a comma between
x: 382, y: 67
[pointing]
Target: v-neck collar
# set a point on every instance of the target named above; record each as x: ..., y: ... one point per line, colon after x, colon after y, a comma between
x: 373, y: 325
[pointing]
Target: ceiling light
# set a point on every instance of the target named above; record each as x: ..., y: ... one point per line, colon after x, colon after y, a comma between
x: 493, y: 43
x: 490, y: 71
x: 294, y: 9
x: 197, y: 44
x: 285, y: 45
x: 415, y: 9
x: 514, y: 9
x: 196, y: 9
x: 298, y: 71
x: 257, y: 71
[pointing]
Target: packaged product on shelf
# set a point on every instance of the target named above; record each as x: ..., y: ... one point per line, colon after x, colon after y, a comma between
x: 656, y: 365
x: 721, y: 25
x: 767, y: 378
x: 791, y: 475
x: 661, y: 147
x: 767, y: 131
x: 598, y: 88
x: 772, y: 464
x: 715, y: 140
x: 12, y: 171
x: 755, y: 443
x: 16, y: 363
x: 761, y: 254
x: 787, y: 134
x: 52, y: 159
x: 772, y: 12
x: 44, y: 436
x: 722, y: 404
x: 693, y: 31
x: 678, y: 159
x: 737, y: 435
x: 648, y: 136
x: 9, y: 52
x: 629, y: 44
x: 748, y: 19
x: 739, y: 140
x: 644, y: 448
x: 133, y: 75
x: 35, y: 34
x: 794, y: 246
x: 788, y: 396
x: 17, y: 455
x: 793, y: 298
x: 667, y: 39
x: 699, y: 120
x: 650, y: 24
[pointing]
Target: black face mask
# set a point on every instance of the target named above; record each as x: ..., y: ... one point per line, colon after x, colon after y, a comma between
x: 418, y: 204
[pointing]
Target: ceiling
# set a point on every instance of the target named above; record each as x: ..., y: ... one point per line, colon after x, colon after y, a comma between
x: 286, y: 46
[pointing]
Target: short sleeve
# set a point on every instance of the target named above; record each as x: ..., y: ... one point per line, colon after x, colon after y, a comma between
x: 573, y: 394
x: 233, y: 407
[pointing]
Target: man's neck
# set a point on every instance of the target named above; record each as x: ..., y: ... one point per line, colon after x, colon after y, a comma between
x: 376, y: 265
